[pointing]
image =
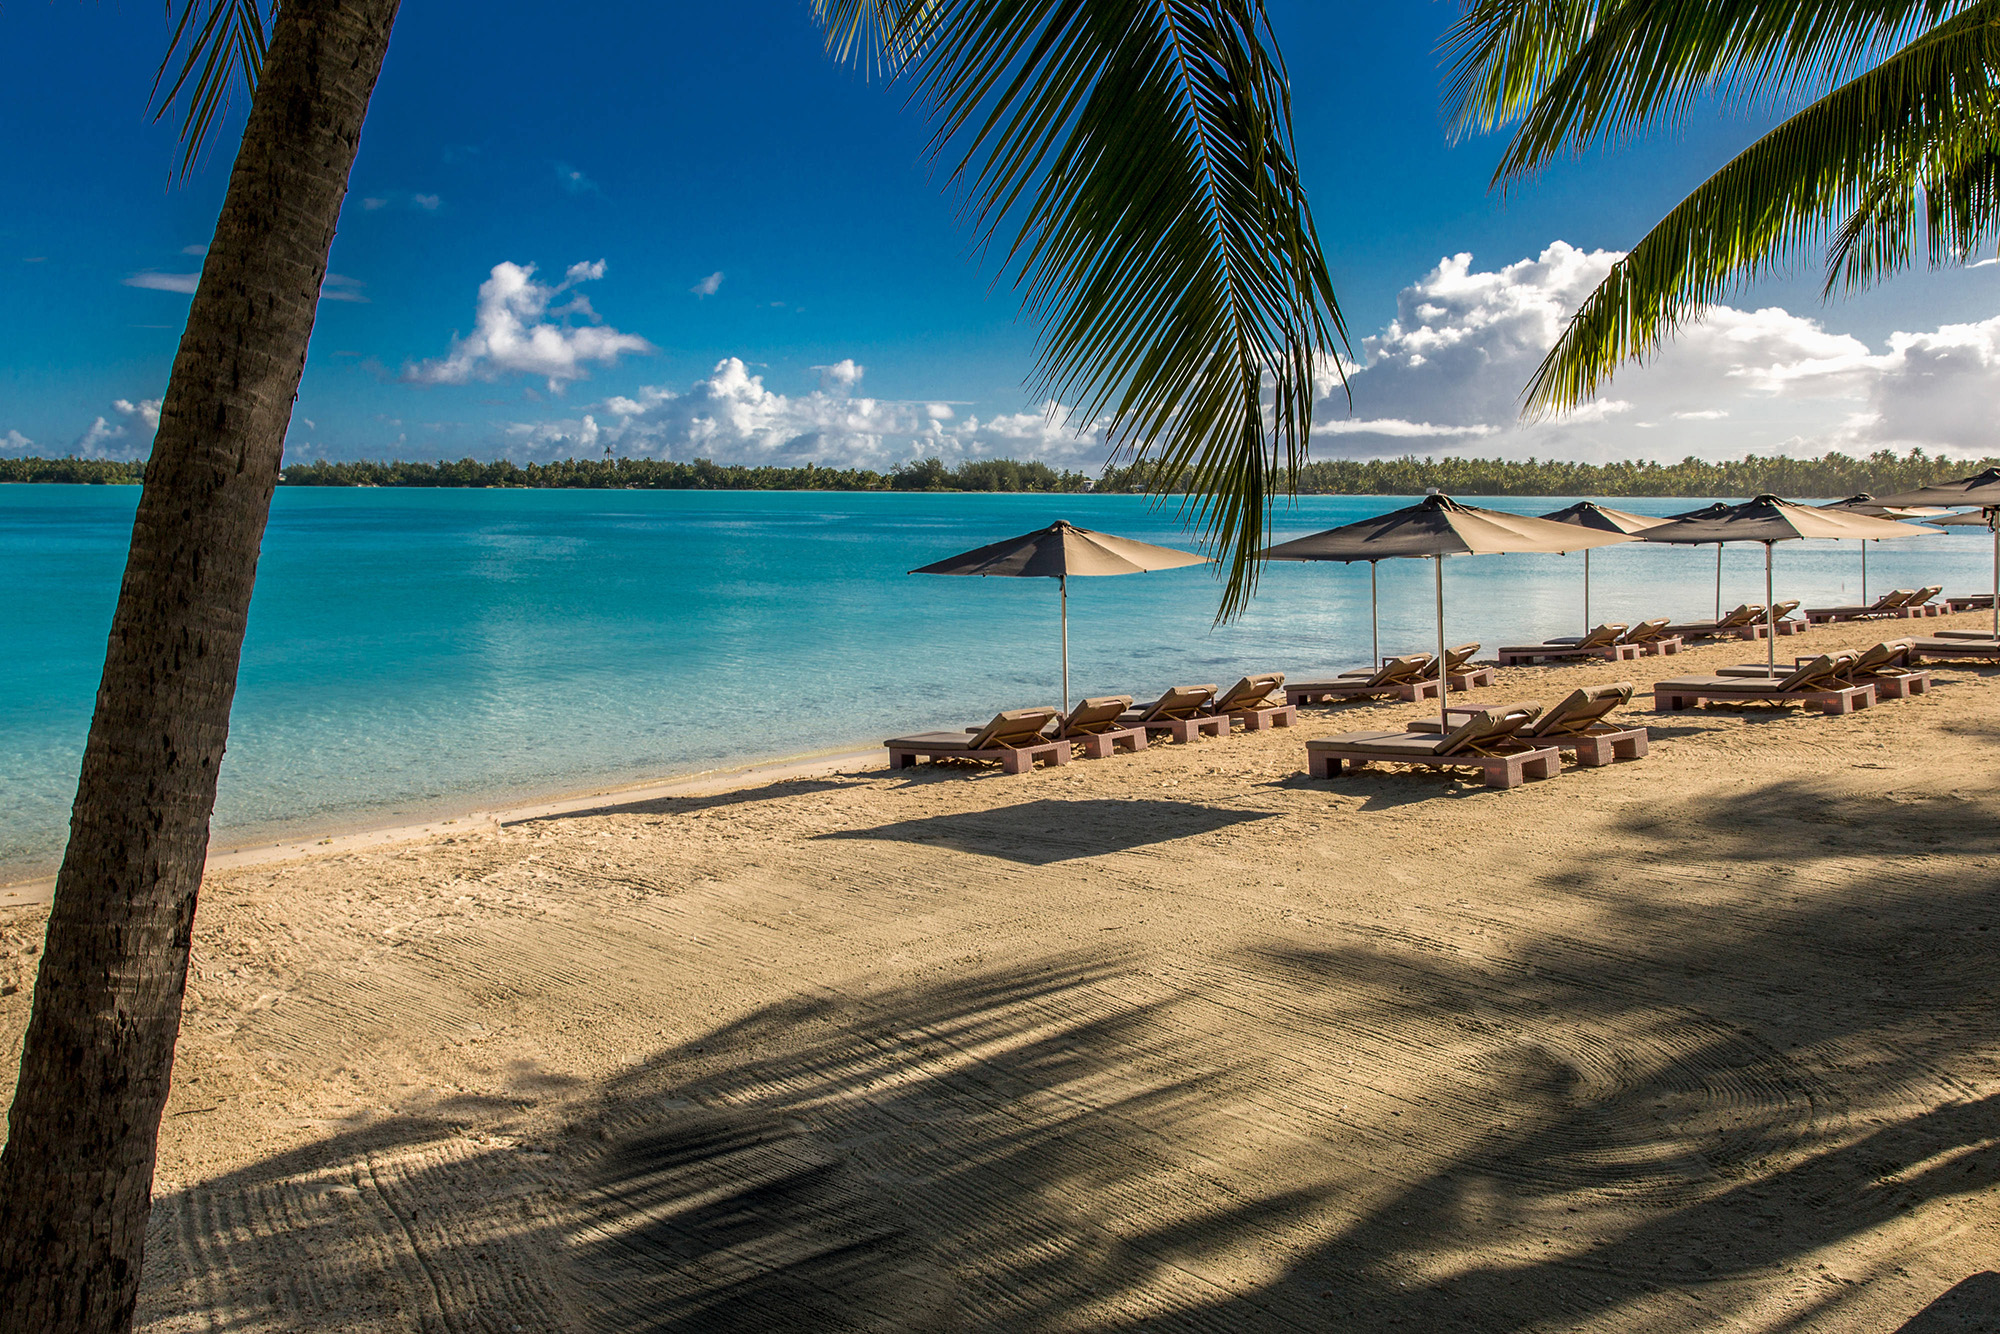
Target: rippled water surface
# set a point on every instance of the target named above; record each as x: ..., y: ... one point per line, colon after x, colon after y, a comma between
x: 416, y: 649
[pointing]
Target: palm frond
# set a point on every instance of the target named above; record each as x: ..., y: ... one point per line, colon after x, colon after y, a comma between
x: 1951, y: 186
x: 220, y: 44
x: 1571, y: 71
x: 1778, y: 196
x: 1134, y: 157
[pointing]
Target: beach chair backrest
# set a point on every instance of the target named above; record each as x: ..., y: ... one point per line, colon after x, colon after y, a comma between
x: 1743, y: 615
x: 1478, y: 734
x: 1819, y: 674
x: 1603, y: 636
x: 1885, y: 656
x: 1180, y: 703
x: 1780, y: 610
x: 1645, y: 632
x: 1894, y: 598
x: 1013, y: 729
x: 1250, y: 692
x: 1456, y: 658
x: 1924, y: 594
x: 1406, y: 667
x: 1100, y: 714
x: 1581, y: 710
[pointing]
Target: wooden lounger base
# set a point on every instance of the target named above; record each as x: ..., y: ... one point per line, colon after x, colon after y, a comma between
x: 1102, y: 745
x: 1498, y: 770
x: 1529, y: 655
x: 1315, y: 693
x: 1185, y: 730
x: 1256, y: 720
x: 1944, y: 650
x: 1660, y: 648
x: 1976, y: 602
x: 1473, y: 679
x: 1668, y: 698
x: 1594, y: 752
x: 1011, y: 760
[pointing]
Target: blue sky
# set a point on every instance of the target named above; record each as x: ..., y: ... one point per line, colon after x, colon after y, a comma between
x: 851, y: 321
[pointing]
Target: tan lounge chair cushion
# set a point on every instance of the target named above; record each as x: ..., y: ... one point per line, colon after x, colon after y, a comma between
x: 1250, y: 693
x: 1100, y: 714
x: 1480, y: 735
x: 1010, y: 729
x: 1177, y: 705
x: 1581, y: 710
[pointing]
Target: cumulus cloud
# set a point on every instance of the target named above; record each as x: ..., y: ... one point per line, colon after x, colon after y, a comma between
x: 841, y: 377
x: 708, y: 286
x: 15, y: 443
x: 732, y: 417
x: 516, y: 332
x: 1451, y: 367
x: 184, y: 283
x: 146, y: 410
x: 101, y: 439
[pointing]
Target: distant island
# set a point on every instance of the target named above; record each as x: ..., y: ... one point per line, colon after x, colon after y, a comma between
x: 1882, y: 472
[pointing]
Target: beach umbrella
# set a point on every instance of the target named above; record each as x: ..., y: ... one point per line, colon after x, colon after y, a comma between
x: 1867, y: 504
x: 1981, y: 489
x: 1585, y: 514
x: 1437, y: 527
x: 1709, y: 511
x: 1769, y: 520
x: 1059, y: 552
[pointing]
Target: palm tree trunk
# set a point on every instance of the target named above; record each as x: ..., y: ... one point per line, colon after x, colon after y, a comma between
x: 76, y: 1176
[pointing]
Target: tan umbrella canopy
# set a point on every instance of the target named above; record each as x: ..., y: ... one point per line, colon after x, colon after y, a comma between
x: 1057, y: 552
x: 1981, y: 489
x: 1869, y: 505
x: 1769, y: 520
x: 1709, y: 511
x: 1435, y: 528
x: 1587, y: 514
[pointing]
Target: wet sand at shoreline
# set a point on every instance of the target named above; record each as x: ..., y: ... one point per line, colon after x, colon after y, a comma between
x: 1179, y: 1041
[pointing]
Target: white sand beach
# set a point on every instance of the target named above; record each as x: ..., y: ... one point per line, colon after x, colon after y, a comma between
x: 1177, y: 1041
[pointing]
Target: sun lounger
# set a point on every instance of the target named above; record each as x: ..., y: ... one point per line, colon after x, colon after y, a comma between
x: 1485, y: 741
x: 1098, y: 726
x: 1971, y: 602
x: 1892, y: 603
x: 1885, y: 666
x: 1778, y: 617
x: 1942, y: 650
x: 1458, y: 670
x: 1255, y: 702
x: 1649, y: 637
x: 1606, y: 642
x: 1816, y: 682
x: 1577, y: 723
x: 1924, y: 604
x: 1179, y: 714
x: 1015, y: 739
x: 1746, y: 622
x: 1410, y: 676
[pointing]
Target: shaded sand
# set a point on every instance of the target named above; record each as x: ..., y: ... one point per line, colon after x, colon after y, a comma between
x: 1180, y: 1041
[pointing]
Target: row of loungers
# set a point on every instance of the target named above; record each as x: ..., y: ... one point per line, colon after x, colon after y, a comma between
x: 1904, y: 603
x: 1019, y: 739
x: 1615, y: 641
x: 1832, y: 682
x: 1509, y: 745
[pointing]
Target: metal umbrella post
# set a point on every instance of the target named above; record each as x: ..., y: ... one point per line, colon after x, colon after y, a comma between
x: 1062, y: 583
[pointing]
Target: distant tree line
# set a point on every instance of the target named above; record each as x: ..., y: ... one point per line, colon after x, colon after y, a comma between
x: 1831, y: 475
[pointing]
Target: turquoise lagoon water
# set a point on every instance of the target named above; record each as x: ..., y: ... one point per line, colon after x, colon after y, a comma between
x: 416, y: 650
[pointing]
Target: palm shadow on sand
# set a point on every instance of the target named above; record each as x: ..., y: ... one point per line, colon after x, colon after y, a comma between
x: 1038, y: 833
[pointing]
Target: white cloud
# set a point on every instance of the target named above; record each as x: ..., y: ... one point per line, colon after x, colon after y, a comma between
x: 15, y: 443
x: 515, y: 332
x: 194, y: 250
x: 708, y: 286
x: 339, y: 287
x: 731, y: 417
x: 573, y: 181
x: 184, y: 283
x: 146, y: 410
x: 428, y: 203
x: 1464, y: 344
x: 374, y: 202
x: 841, y: 376
x: 91, y: 444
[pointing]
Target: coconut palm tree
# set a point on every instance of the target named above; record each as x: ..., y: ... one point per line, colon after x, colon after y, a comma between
x: 1893, y: 150
x: 1133, y: 159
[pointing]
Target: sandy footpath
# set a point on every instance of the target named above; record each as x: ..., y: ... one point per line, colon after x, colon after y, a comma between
x: 1177, y: 1041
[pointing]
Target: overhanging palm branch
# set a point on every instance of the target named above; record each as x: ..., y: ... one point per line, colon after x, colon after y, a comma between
x: 220, y: 43
x: 1943, y: 200
x: 1135, y: 159
x: 1571, y: 70
x: 1837, y: 160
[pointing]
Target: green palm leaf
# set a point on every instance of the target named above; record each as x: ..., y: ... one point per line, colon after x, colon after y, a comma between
x: 1135, y: 159
x: 1782, y: 193
x: 220, y: 44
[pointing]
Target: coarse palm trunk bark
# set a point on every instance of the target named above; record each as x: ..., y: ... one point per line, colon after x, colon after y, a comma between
x: 76, y: 1176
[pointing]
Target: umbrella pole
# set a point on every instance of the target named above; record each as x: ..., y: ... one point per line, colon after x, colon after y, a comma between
x: 1586, y: 591
x: 1374, y: 615
x: 1443, y: 682
x: 1993, y: 522
x: 1770, y: 616
x: 1864, y: 571
x: 1718, y: 581
x: 1062, y: 582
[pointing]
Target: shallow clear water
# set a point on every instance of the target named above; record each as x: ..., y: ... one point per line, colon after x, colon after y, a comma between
x: 416, y: 649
